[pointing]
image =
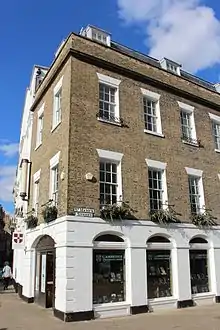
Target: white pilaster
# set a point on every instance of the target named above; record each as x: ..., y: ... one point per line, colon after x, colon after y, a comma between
x: 79, y: 279
x: 181, y: 274
x: 214, y: 273
x: 28, y: 280
x: 61, y: 282
x: 138, y: 273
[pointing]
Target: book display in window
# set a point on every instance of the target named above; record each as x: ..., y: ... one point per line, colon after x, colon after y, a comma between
x: 158, y: 274
x: 199, y: 271
x: 108, y: 276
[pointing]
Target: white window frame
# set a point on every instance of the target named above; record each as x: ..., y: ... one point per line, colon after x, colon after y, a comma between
x: 114, y: 83
x: 40, y: 126
x: 198, y: 174
x: 190, y: 110
x: 160, y: 166
x: 114, y: 157
x: 36, y: 182
x: 54, y: 163
x: 57, y: 91
x: 155, y: 97
x: 215, y: 121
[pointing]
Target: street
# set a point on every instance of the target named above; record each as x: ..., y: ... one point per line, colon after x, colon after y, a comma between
x: 16, y: 314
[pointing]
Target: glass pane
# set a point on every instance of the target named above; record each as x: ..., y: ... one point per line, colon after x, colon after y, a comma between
x: 108, y: 276
x: 102, y: 166
x: 159, y: 274
x: 107, y: 188
x: 102, y: 176
x: 114, y: 190
x: 108, y: 167
x: 199, y: 271
x: 108, y: 177
x: 114, y: 178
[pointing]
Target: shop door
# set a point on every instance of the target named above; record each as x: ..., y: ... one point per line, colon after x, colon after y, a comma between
x: 45, y: 279
x: 50, y: 280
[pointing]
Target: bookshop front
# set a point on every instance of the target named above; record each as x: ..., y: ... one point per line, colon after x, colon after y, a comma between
x: 108, y: 270
x: 159, y: 283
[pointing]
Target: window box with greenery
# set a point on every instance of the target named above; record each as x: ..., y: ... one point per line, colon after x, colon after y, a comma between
x: 32, y: 221
x: 117, y: 211
x: 49, y: 213
x: 165, y: 216
x: 203, y: 219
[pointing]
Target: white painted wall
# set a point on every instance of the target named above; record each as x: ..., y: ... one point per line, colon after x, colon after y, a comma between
x: 74, y: 245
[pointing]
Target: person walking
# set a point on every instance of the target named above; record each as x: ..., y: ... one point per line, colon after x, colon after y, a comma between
x: 7, y: 275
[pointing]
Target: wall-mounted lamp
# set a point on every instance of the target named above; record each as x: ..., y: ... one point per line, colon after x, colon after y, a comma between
x: 25, y: 174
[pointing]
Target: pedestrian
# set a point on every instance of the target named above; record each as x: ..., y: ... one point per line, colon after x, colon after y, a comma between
x: 7, y: 275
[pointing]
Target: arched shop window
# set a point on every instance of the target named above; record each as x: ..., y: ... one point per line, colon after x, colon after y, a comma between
x: 108, y: 269
x: 199, y: 270
x: 159, y: 275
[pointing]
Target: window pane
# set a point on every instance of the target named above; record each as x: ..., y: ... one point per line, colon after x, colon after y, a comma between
x: 108, y: 276
x: 108, y: 183
x: 155, y: 189
x: 150, y: 115
x: 199, y: 271
x: 194, y: 194
x: 102, y: 176
x: 107, y: 101
x: 159, y: 274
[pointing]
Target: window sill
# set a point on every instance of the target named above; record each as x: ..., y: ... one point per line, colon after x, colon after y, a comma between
x: 114, y: 305
x: 164, y: 300
x: 217, y: 150
x: 109, y: 122
x: 203, y: 295
x: 154, y: 133
x: 191, y: 144
x: 38, y: 146
x: 54, y: 127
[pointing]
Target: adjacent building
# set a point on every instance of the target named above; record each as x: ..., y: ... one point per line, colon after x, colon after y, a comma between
x: 6, y: 223
x: 122, y: 184
x: 20, y: 203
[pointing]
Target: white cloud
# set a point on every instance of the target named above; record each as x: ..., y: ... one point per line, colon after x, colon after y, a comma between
x: 7, y: 179
x: 9, y: 149
x: 183, y: 30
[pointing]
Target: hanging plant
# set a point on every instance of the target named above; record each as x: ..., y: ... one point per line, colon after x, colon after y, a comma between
x: 165, y: 216
x: 49, y: 213
x: 119, y: 211
x: 31, y: 221
x: 205, y: 219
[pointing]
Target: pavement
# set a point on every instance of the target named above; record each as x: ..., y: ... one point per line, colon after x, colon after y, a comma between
x: 18, y: 315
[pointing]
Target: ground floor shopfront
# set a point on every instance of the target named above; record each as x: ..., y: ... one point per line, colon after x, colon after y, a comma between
x: 85, y: 267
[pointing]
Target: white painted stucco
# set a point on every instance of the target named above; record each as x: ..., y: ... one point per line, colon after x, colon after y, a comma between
x: 74, y: 237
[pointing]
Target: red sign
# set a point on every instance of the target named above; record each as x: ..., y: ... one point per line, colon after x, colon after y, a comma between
x: 18, y: 238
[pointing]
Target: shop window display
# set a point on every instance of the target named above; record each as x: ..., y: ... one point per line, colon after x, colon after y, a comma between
x: 159, y: 274
x: 199, y: 271
x: 108, y: 276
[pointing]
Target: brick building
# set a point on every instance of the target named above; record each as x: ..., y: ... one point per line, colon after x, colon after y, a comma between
x: 122, y: 184
x: 6, y: 253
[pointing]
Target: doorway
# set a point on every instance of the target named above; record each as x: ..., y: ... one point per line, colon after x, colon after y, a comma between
x: 45, y: 272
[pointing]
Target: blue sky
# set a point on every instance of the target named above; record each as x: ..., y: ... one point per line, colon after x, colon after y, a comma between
x: 187, y: 31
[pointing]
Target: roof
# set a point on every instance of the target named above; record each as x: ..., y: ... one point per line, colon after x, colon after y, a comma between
x: 156, y: 63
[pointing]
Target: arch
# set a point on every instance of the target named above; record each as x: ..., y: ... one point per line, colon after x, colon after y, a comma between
x: 158, y: 238
x: 43, y: 242
x: 198, y: 240
x: 110, y: 236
